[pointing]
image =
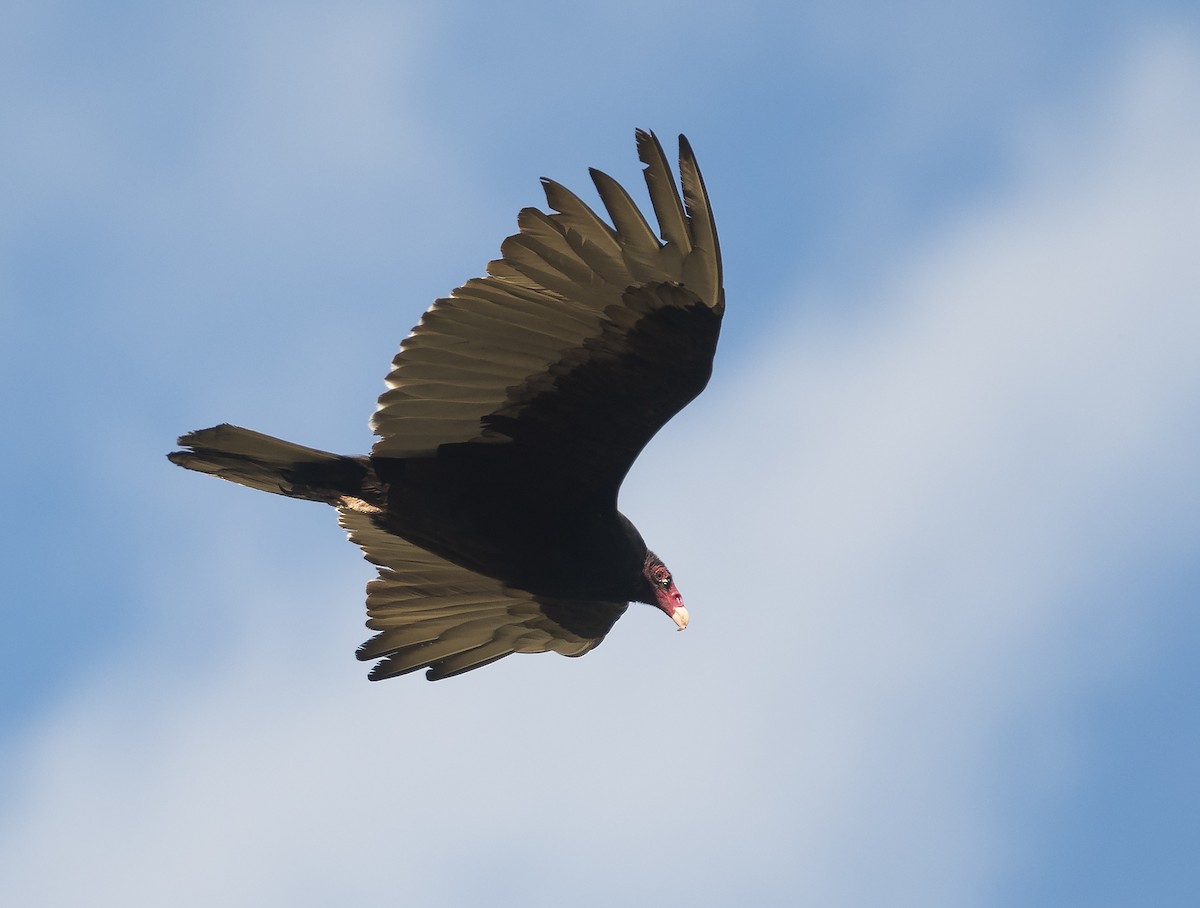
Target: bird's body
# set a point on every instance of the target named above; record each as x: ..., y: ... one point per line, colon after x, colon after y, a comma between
x: 514, y: 410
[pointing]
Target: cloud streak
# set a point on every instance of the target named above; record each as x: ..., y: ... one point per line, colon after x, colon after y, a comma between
x: 905, y: 531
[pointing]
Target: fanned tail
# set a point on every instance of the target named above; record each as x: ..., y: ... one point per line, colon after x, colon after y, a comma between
x: 273, y: 465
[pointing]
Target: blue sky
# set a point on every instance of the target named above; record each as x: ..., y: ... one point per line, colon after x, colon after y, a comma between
x: 935, y: 518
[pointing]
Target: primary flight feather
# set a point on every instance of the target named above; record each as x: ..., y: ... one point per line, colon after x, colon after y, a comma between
x: 513, y: 412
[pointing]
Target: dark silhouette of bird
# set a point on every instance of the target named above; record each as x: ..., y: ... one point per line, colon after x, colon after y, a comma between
x: 512, y: 413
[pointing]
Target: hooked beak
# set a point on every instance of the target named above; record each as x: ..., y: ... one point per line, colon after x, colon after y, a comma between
x: 671, y: 602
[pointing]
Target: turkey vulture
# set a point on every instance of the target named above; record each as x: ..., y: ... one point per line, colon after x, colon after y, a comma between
x: 512, y: 413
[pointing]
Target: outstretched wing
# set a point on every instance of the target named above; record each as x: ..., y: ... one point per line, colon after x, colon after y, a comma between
x: 582, y: 341
x: 431, y: 613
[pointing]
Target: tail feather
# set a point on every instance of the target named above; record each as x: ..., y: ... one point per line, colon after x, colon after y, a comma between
x: 271, y: 464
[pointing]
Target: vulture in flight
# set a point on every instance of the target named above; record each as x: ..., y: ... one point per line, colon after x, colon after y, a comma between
x: 512, y: 413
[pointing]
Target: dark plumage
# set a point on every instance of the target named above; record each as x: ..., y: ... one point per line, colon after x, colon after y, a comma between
x: 513, y: 412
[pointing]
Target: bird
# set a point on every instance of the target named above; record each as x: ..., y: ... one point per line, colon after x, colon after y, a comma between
x: 513, y: 411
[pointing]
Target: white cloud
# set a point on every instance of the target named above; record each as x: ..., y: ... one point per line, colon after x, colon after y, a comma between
x: 888, y: 528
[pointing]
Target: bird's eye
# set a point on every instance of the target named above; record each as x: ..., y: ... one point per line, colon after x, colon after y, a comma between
x: 664, y: 580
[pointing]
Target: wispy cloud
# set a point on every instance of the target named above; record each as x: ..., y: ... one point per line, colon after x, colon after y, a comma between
x: 906, y: 530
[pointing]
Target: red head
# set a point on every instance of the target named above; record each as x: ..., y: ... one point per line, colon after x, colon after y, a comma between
x: 666, y: 596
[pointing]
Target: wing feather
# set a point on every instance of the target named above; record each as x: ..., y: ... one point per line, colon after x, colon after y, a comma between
x: 431, y: 613
x: 565, y: 288
x: 702, y: 267
x: 664, y: 196
x: 640, y: 248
